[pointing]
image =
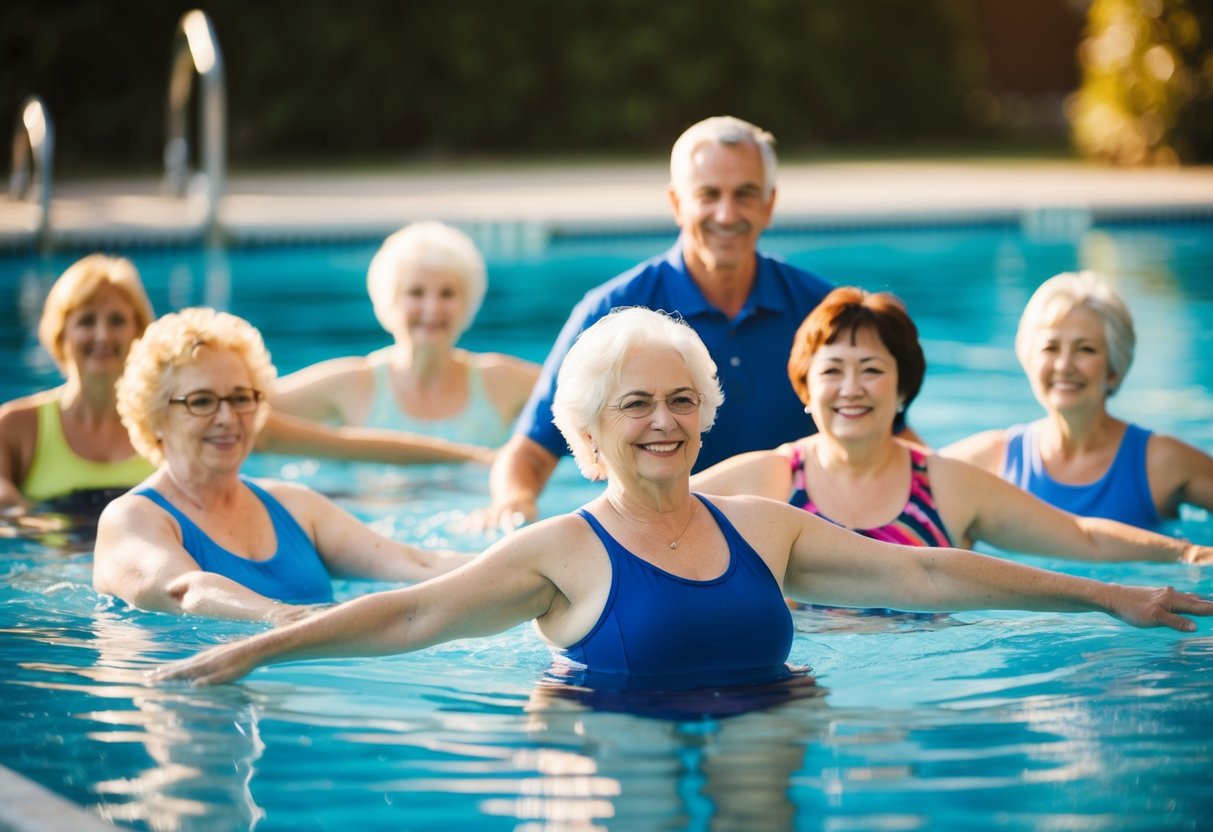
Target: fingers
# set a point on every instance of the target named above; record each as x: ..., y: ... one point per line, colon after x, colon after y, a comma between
x: 1200, y: 555
x: 1175, y: 622
x: 511, y: 521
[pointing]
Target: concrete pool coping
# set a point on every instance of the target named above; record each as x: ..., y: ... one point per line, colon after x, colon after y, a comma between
x: 605, y: 198
x: 27, y: 807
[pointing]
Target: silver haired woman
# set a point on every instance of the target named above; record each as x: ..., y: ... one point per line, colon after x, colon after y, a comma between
x: 652, y: 584
x: 1075, y: 342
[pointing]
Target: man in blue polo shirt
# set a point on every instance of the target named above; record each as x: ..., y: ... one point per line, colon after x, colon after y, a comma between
x: 746, y: 306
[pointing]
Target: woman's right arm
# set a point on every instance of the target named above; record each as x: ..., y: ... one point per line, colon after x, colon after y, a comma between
x: 505, y: 586
x: 287, y: 434
x: 985, y: 450
x: 18, y: 430
x: 139, y: 558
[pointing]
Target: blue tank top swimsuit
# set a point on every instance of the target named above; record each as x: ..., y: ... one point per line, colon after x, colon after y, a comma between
x: 1122, y: 493
x: 675, y: 633
x: 295, y: 574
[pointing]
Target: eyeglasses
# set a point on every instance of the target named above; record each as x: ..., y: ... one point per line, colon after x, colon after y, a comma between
x: 206, y: 403
x: 638, y: 406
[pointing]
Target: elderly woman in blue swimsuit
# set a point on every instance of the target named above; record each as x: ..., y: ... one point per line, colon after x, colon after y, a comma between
x: 855, y: 362
x: 1076, y: 342
x: 198, y: 537
x: 651, y: 583
x: 426, y: 283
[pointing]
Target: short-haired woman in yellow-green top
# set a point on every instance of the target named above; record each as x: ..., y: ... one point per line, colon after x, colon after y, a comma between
x: 70, y: 438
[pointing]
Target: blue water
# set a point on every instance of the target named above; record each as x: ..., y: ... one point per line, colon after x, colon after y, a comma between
x: 1018, y: 720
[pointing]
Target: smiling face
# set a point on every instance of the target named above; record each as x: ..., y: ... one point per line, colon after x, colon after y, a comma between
x: 720, y: 206
x: 199, y: 445
x: 432, y: 304
x: 853, y: 386
x: 1068, y: 362
x: 97, y: 334
x: 659, y: 446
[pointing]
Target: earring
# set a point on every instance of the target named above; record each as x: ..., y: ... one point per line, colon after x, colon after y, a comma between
x: 808, y: 409
x: 901, y: 408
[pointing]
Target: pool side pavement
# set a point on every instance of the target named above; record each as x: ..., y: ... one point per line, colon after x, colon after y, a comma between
x: 574, y: 199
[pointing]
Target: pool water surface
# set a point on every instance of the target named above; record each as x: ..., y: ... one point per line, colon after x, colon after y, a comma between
x: 1025, y: 721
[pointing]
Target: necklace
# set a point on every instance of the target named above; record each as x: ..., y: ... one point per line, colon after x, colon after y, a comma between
x: 674, y: 543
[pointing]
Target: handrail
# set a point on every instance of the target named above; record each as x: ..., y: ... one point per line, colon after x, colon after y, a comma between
x: 33, y: 161
x: 196, y: 51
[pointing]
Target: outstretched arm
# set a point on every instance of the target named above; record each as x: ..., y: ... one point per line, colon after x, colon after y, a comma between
x: 350, y: 547
x: 293, y: 435
x: 831, y: 565
x: 1004, y: 515
x: 502, y: 588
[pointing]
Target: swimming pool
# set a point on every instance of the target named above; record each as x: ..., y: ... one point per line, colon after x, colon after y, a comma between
x: 1025, y: 721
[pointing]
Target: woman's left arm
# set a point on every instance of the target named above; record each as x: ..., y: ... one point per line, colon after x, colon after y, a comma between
x: 831, y: 565
x: 1002, y: 514
x: 349, y: 547
x: 1184, y: 473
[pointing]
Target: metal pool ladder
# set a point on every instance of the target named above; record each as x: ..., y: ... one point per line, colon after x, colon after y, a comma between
x: 33, y: 162
x: 196, y: 52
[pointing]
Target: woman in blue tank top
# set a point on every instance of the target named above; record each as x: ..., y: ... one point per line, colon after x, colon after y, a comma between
x: 196, y: 536
x: 650, y: 585
x: 1076, y: 342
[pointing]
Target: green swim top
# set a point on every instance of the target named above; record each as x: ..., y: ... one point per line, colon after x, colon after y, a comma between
x: 57, y: 470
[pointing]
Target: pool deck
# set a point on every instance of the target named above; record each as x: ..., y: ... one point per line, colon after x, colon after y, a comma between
x: 587, y: 198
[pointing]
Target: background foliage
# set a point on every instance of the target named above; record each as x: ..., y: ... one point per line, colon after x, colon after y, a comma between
x: 1147, y: 91
x: 315, y: 81
x: 310, y: 78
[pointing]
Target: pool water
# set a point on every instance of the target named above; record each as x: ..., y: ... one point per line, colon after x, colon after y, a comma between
x: 1018, y: 720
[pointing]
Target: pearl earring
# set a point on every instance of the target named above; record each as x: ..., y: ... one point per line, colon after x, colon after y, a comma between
x: 808, y: 409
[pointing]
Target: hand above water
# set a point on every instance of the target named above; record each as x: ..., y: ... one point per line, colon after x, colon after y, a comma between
x: 1146, y: 606
x: 1199, y: 555
x: 504, y: 517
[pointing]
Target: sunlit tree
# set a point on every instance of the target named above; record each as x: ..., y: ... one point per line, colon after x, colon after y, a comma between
x: 1147, y: 90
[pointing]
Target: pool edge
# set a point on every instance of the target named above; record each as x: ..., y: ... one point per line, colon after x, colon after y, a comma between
x: 26, y: 806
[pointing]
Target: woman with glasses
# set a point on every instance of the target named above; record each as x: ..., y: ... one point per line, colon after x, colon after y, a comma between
x: 198, y: 537
x: 855, y: 362
x: 650, y: 586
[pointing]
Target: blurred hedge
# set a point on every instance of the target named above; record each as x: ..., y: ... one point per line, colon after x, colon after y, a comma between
x: 1147, y: 90
x: 311, y: 80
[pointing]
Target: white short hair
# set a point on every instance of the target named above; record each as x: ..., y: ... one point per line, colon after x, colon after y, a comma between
x: 1060, y: 295
x: 594, y: 362
x: 726, y: 130
x: 428, y: 244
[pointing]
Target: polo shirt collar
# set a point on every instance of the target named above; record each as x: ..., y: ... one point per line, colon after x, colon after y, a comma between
x: 684, y: 295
